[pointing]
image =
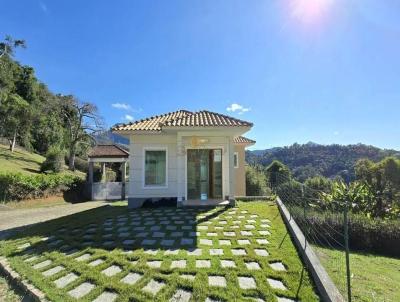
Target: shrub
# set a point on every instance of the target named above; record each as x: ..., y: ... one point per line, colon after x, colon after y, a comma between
x: 256, y: 183
x: 18, y: 186
x: 80, y: 164
x: 380, y: 236
x: 111, y: 175
x: 54, y: 161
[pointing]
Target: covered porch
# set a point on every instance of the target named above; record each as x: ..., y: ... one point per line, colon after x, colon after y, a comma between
x: 103, y: 188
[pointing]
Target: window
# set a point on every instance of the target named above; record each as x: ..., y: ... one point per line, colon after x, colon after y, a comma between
x: 236, y: 160
x: 155, y: 168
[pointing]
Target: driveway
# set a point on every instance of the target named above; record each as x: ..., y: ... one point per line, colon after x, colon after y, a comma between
x: 13, y: 219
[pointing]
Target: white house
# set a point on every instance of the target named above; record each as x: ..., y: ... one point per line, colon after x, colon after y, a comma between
x: 190, y: 157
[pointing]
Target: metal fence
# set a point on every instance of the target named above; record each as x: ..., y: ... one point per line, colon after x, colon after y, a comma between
x: 324, y: 227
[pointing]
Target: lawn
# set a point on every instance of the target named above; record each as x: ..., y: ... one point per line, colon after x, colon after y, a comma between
x: 163, y: 254
x: 19, y: 161
x: 6, y: 293
x: 24, y: 161
x: 374, y: 278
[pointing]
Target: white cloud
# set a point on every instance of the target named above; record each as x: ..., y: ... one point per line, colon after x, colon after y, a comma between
x: 234, y: 107
x: 122, y: 106
x: 129, y: 117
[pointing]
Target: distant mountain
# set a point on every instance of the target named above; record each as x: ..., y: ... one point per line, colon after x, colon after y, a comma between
x: 311, y: 159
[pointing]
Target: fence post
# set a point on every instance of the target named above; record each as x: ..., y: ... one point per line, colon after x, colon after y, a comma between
x: 347, y: 251
x: 305, y: 216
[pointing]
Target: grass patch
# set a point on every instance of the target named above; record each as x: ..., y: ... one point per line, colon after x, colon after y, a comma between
x: 25, y: 162
x: 6, y: 293
x: 38, y: 203
x: 19, y: 161
x: 163, y: 246
x: 374, y: 278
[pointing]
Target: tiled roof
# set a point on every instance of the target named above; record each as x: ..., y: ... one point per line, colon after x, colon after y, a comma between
x: 207, y: 119
x: 243, y: 140
x: 108, y: 151
x: 183, y: 118
x: 153, y: 123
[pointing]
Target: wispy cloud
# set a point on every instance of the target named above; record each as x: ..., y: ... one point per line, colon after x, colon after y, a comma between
x: 128, y: 117
x: 43, y: 6
x: 122, y: 106
x: 126, y: 107
x: 234, y: 107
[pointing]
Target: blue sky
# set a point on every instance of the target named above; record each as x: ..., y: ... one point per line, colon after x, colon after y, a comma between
x: 326, y: 71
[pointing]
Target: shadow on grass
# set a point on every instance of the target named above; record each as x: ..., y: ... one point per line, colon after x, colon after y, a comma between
x: 117, y: 227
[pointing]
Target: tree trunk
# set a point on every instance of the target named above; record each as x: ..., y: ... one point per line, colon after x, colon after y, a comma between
x: 71, y: 161
x: 12, y: 141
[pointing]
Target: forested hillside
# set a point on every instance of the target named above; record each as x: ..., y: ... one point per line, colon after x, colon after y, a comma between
x: 308, y: 160
x: 38, y: 119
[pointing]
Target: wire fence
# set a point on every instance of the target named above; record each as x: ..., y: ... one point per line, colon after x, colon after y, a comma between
x: 324, y: 226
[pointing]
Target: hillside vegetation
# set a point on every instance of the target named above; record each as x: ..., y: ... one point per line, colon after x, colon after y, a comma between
x: 309, y: 160
x: 19, y: 161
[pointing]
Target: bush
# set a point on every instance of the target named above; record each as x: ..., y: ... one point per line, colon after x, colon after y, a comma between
x: 379, y: 236
x: 18, y: 186
x: 54, y: 161
x: 80, y: 164
x: 256, y: 183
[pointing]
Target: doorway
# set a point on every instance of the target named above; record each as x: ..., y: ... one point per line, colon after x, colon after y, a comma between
x: 204, y: 174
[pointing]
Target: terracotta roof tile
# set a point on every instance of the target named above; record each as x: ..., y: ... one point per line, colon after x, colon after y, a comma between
x: 243, y: 140
x: 108, y: 151
x: 152, y: 123
x: 183, y: 118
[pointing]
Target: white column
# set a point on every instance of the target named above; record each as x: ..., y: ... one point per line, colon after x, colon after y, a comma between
x: 123, y: 180
x: 231, y: 169
x: 180, y: 157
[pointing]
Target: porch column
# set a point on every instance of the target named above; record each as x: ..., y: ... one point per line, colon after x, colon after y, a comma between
x: 90, y: 179
x: 103, y: 172
x: 180, y: 156
x: 231, y: 169
x: 123, y: 180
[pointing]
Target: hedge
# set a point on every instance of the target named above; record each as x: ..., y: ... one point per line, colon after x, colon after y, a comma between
x: 18, y: 186
x: 379, y: 236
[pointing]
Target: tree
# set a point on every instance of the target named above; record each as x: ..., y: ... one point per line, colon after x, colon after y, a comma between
x: 8, y: 46
x: 277, y: 173
x: 14, y: 118
x: 82, y: 122
x: 384, y: 180
x: 256, y: 183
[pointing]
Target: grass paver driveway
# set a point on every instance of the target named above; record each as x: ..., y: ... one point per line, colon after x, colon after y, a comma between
x: 163, y: 254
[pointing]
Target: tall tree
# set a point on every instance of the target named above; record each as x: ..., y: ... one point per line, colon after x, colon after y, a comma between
x: 8, y: 46
x: 83, y: 121
x: 14, y: 118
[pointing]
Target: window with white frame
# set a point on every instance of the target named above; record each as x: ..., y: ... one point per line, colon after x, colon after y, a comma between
x: 155, y: 168
x: 236, y: 160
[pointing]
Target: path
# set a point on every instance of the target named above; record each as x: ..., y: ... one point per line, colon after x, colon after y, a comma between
x: 19, y: 218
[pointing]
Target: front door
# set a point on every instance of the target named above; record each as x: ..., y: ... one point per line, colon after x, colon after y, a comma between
x: 204, y: 174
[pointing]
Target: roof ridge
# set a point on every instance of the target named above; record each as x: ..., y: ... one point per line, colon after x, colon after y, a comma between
x: 177, y: 118
x: 226, y: 116
x: 156, y: 116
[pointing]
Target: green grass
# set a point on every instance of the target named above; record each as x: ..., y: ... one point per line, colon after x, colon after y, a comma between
x: 374, y: 278
x: 19, y: 161
x: 24, y: 162
x: 6, y: 293
x: 72, y: 231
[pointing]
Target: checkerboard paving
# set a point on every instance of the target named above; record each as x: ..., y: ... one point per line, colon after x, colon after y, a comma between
x: 137, y: 253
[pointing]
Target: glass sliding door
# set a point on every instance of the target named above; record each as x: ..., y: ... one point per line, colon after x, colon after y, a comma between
x: 204, y: 174
x: 216, y: 185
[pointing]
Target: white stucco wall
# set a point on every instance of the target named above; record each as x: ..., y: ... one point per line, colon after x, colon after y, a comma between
x: 138, y: 143
x: 176, y: 145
